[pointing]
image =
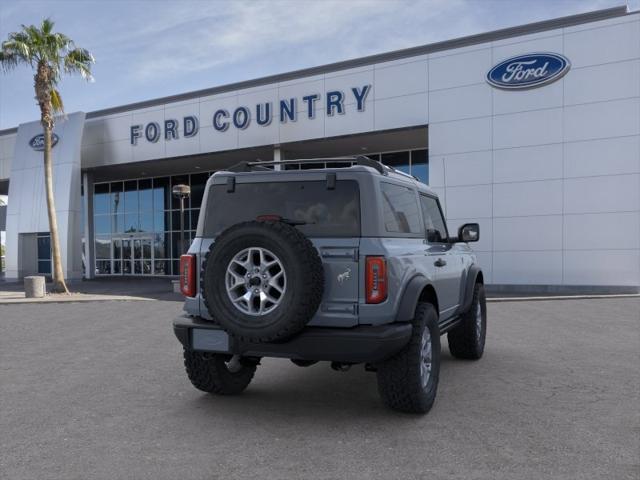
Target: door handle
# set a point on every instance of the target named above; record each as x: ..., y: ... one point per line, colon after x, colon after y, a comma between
x: 439, y: 263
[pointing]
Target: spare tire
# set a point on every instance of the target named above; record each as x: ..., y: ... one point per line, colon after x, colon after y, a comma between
x: 262, y: 281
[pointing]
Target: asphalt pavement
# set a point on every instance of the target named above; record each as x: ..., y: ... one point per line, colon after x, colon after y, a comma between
x: 98, y: 391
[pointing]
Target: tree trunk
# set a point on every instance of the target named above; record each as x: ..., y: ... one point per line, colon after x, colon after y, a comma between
x: 43, y: 95
x: 59, y: 284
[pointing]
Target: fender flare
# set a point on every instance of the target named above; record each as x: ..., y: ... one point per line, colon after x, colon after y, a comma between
x: 470, y: 282
x: 410, y: 296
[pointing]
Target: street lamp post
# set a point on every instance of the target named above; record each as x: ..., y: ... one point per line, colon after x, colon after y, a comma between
x: 182, y: 192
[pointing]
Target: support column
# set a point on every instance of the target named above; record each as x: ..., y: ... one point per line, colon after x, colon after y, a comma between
x: 277, y: 156
x: 87, y: 212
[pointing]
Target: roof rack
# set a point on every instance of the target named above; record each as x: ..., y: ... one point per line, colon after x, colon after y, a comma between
x: 357, y: 160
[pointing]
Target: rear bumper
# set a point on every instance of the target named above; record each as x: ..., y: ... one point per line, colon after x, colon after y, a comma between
x: 353, y: 345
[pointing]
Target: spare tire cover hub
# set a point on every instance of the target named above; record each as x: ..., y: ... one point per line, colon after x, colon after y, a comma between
x: 256, y: 281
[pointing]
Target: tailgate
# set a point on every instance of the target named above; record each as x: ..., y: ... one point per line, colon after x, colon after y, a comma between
x: 339, y: 305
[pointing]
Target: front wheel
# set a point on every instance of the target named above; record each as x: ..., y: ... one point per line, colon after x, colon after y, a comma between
x: 218, y: 373
x: 467, y: 339
x: 408, y: 381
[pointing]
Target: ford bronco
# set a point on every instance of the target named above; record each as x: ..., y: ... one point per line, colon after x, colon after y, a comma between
x: 350, y: 263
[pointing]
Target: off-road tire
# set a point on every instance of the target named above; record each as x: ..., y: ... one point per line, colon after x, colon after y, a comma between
x: 209, y: 372
x: 304, y: 284
x: 399, y: 377
x: 466, y: 341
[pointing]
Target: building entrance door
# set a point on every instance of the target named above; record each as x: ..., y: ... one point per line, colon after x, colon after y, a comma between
x: 135, y: 255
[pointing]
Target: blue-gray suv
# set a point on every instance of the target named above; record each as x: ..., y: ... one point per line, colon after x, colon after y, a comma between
x: 343, y: 260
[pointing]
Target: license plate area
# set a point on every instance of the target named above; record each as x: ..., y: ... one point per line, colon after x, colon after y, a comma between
x: 208, y: 340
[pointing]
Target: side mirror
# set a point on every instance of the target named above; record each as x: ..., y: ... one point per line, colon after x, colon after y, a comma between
x: 469, y: 232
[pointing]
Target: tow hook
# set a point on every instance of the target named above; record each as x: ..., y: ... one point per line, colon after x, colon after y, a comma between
x: 340, y: 367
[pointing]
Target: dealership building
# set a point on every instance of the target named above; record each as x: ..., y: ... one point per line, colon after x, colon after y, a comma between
x: 531, y: 131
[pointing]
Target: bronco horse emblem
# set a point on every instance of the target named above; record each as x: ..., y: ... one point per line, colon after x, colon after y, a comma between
x: 346, y: 275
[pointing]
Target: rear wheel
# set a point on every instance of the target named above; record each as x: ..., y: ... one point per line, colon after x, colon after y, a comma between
x: 408, y: 381
x: 218, y: 373
x: 467, y: 339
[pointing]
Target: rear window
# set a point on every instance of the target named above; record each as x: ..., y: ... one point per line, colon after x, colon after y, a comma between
x: 327, y: 213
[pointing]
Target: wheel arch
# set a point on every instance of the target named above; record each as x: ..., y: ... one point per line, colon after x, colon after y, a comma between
x: 419, y: 289
x: 474, y: 276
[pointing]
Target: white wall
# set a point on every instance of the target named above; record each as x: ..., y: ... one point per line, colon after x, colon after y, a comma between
x: 7, y: 145
x: 552, y: 174
x: 27, y: 209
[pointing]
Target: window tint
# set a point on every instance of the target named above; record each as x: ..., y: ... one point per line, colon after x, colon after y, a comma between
x: 436, y: 229
x: 324, y: 213
x: 400, y: 209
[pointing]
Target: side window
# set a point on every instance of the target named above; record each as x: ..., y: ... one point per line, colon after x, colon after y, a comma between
x: 433, y: 221
x: 400, y: 209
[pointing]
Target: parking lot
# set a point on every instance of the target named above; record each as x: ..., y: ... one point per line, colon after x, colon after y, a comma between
x: 97, y: 390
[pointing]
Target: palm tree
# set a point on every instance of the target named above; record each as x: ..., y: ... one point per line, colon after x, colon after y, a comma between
x: 50, y: 55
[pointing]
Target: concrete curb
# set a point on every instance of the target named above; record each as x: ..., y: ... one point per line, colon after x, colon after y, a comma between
x: 73, y: 298
x: 561, y: 297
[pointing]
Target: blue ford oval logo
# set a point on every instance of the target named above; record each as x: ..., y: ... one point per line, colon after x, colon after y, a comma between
x: 528, y: 71
x: 37, y: 142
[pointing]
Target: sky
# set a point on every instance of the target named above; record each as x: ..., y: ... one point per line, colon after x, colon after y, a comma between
x: 153, y: 48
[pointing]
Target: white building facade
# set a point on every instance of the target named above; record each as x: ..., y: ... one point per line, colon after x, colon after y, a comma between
x: 532, y: 131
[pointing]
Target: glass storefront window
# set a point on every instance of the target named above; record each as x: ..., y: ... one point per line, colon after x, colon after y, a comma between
x: 194, y: 219
x: 44, y: 246
x: 117, y: 198
x: 103, y: 247
x: 160, y: 245
x: 198, y: 182
x: 161, y: 194
x: 44, y: 252
x: 143, y: 213
x: 420, y: 165
x: 162, y: 267
x: 131, y: 196
x: 102, y: 224
x: 117, y: 248
x: 175, y: 220
x: 146, y: 221
x: 175, y: 244
x: 131, y: 222
x: 101, y: 198
x: 145, y: 195
x: 160, y: 221
x: 103, y: 267
x: 117, y: 223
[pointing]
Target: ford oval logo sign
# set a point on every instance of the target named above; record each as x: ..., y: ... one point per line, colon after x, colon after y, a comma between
x: 37, y: 142
x: 528, y: 71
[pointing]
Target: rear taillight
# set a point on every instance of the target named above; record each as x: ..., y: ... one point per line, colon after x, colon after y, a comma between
x: 376, y: 279
x: 188, y: 275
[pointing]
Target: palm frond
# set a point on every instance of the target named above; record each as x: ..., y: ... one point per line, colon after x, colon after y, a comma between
x: 47, y: 26
x: 56, y: 101
x: 52, y: 53
x: 79, y: 60
x: 19, y: 46
x: 8, y: 60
